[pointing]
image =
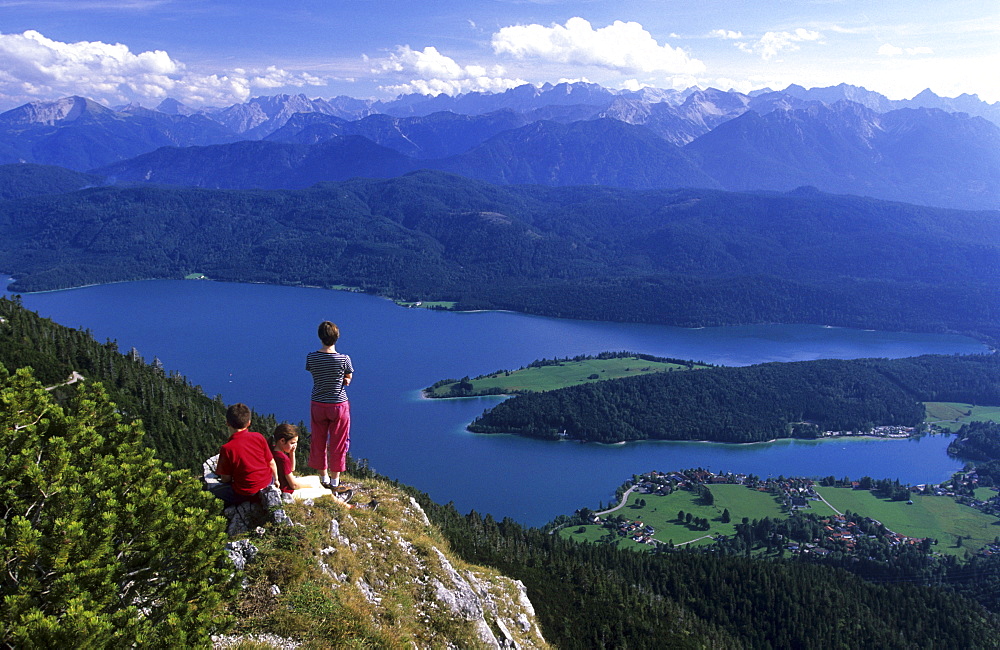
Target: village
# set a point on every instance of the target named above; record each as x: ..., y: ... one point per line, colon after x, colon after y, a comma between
x: 882, y: 431
x: 841, y: 532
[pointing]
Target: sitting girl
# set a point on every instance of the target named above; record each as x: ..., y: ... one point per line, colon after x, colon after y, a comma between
x: 284, y: 440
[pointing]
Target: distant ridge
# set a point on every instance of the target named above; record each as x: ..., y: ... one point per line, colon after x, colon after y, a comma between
x: 924, y: 156
x: 842, y: 139
x: 689, y: 257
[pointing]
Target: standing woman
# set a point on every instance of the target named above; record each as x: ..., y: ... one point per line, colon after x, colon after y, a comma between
x: 330, y: 411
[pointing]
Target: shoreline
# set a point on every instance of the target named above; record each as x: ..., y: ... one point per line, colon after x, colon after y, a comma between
x: 712, y: 442
x: 990, y: 349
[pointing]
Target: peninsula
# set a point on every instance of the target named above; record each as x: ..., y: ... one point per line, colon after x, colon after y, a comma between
x: 805, y: 399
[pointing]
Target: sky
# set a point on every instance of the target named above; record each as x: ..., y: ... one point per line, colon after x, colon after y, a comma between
x: 222, y: 52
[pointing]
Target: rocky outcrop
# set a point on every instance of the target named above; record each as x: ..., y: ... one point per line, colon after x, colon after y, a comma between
x: 250, y: 514
x: 388, y: 566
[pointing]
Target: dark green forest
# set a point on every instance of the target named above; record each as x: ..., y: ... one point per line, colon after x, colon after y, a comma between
x: 593, y: 595
x: 586, y: 596
x: 980, y: 442
x: 752, y: 403
x: 678, y: 257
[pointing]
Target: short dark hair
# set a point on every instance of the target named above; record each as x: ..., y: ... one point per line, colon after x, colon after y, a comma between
x: 329, y: 333
x: 238, y: 416
x: 284, y: 432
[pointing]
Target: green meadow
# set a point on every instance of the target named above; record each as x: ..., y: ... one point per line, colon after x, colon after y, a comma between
x: 660, y: 512
x: 942, y: 518
x: 929, y: 516
x: 952, y: 415
x: 559, y: 375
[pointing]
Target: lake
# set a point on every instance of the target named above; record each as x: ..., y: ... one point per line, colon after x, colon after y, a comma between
x: 248, y: 343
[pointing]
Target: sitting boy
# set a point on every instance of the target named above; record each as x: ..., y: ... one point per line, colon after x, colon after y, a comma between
x: 245, y: 465
x: 284, y: 441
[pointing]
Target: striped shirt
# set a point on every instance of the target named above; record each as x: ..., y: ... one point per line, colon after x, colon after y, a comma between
x: 328, y: 370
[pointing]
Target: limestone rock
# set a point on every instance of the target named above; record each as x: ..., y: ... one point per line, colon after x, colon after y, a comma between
x: 241, y: 552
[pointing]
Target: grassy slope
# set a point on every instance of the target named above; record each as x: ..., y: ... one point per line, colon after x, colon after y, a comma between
x: 952, y: 415
x: 661, y: 513
x: 392, y: 551
x: 929, y: 516
x: 567, y: 373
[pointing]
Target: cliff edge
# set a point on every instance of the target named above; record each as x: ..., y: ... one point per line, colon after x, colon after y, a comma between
x: 378, y: 574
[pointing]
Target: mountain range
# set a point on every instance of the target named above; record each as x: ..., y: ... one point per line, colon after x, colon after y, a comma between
x: 841, y: 139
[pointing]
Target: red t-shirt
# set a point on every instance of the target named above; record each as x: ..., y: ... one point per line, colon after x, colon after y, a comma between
x: 284, y: 464
x: 247, y: 458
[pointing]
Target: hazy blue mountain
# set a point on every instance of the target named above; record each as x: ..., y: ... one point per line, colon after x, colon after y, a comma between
x: 262, y: 116
x: 596, y: 152
x: 842, y: 92
x: 700, y: 112
x: 964, y: 103
x: 80, y: 134
x: 565, y: 114
x: 309, y: 128
x: 922, y: 156
x: 171, y: 106
x: 915, y: 155
x: 433, y: 136
x: 522, y: 99
x: 260, y: 164
x: 942, y: 158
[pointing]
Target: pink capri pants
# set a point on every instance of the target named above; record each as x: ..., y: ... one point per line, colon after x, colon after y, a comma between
x: 331, y: 436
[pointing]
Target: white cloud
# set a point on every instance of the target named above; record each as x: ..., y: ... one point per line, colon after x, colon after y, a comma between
x: 772, y: 43
x: 625, y: 47
x: 634, y: 85
x: 272, y: 77
x: 726, y: 33
x: 891, y: 50
x: 436, y: 73
x: 36, y: 67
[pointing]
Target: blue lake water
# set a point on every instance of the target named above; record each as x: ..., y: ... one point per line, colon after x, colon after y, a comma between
x: 248, y: 343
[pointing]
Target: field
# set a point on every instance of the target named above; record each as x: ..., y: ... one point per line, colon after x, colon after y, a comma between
x: 952, y: 415
x: 929, y: 516
x: 560, y: 375
x: 660, y: 512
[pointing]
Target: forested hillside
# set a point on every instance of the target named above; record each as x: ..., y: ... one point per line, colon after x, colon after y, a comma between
x: 753, y: 403
x: 25, y: 179
x: 980, y: 442
x: 593, y: 595
x: 182, y: 424
x: 686, y: 257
